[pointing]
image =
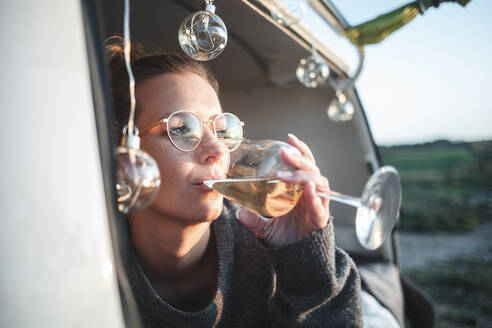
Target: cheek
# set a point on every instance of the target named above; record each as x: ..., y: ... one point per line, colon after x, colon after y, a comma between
x: 177, y: 196
x: 174, y: 165
x: 174, y: 175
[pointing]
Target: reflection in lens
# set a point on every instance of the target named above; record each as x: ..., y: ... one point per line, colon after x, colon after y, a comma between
x: 185, y: 130
x: 228, y: 128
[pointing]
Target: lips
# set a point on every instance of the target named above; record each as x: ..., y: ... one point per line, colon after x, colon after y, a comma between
x: 203, y: 186
x: 199, y: 182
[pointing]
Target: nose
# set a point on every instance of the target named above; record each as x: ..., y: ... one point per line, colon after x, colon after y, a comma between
x: 211, y: 149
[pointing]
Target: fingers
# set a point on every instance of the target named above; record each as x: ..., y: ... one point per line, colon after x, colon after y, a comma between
x: 254, y: 222
x: 306, y: 169
x: 299, y: 162
x: 317, y: 211
x: 301, y: 146
x: 304, y: 177
x: 318, y: 182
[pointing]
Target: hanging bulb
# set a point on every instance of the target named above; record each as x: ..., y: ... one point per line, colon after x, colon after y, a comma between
x: 203, y: 35
x: 341, y: 109
x: 137, y: 175
x: 287, y: 12
x: 312, y: 71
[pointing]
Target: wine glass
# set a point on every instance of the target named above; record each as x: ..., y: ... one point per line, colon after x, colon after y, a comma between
x: 252, y: 183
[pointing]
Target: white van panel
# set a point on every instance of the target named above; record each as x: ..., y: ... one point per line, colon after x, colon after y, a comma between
x: 55, y: 247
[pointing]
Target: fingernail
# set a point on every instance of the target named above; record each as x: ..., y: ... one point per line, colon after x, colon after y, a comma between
x: 291, y: 151
x: 293, y: 136
x: 284, y: 174
x: 237, y: 213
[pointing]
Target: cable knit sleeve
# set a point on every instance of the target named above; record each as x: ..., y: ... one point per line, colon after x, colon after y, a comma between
x: 317, y: 284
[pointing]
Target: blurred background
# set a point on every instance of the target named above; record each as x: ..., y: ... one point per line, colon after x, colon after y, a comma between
x: 426, y: 90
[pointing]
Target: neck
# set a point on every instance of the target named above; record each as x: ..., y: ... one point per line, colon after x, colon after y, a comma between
x: 168, y: 248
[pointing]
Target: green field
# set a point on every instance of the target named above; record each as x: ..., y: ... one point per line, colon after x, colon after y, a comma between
x: 446, y: 186
x: 461, y: 291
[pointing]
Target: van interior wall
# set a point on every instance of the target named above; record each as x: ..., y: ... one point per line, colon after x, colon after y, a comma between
x: 256, y: 72
x: 272, y: 113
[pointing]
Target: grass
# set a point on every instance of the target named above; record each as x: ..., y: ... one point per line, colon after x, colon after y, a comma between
x: 461, y: 291
x: 446, y: 186
x: 435, y: 160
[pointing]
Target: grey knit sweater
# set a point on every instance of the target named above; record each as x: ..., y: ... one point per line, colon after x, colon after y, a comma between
x: 309, y: 283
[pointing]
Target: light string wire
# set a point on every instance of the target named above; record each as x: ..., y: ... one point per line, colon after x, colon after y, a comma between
x: 207, y: 17
x: 347, y: 82
x: 131, y: 127
x: 314, y: 50
x: 131, y: 79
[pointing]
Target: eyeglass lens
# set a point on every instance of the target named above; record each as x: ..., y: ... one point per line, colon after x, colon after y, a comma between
x: 229, y: 129
x: 185, y: 130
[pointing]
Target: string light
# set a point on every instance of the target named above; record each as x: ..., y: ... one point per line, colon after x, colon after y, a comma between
x: 312, y: 71
x: 287, y: 12
x: 203, y: 35
x: 341, y: 108
x: 137, y: 175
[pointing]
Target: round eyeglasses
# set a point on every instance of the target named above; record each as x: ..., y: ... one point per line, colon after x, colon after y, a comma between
x: 185, y: 129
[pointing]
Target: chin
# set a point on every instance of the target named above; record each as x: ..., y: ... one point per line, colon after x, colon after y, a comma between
x: 211, y: 210
x: 203, y: 210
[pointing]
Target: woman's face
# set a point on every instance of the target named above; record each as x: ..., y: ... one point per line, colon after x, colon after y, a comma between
x: 182, y: 196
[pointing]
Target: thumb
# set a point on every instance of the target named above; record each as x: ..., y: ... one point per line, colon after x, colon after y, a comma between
x: 253, y: 221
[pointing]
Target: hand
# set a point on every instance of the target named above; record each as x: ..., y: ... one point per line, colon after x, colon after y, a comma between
x: 311, y: 212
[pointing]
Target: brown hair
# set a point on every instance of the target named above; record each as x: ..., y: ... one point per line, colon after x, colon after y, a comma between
x: 145, y: 64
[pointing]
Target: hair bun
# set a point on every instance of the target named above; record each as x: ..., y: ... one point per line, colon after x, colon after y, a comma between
x: 115, y: 52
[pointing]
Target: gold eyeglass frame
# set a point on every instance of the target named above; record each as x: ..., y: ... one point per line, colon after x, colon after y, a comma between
x: 211, y: 124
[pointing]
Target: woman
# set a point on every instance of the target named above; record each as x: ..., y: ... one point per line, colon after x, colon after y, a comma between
x: 197, y: 261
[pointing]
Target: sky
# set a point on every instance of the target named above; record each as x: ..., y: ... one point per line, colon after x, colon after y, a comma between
x: 432, y: 79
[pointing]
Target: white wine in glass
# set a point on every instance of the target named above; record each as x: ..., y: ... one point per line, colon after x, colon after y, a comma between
x: 252, y: 183
x: 269, y: 197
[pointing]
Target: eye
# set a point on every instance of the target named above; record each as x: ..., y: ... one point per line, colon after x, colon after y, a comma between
x: 180, y: 130
x: 221, y: 133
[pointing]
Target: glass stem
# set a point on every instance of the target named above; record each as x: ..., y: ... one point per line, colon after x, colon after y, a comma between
x: 341, y: 198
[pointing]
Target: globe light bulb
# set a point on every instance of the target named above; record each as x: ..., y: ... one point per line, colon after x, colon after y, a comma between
x: 341, y: 109
x: 287, y: 12
x: 203, y: 35
x: 137, y: 176
x: 312, y: 71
